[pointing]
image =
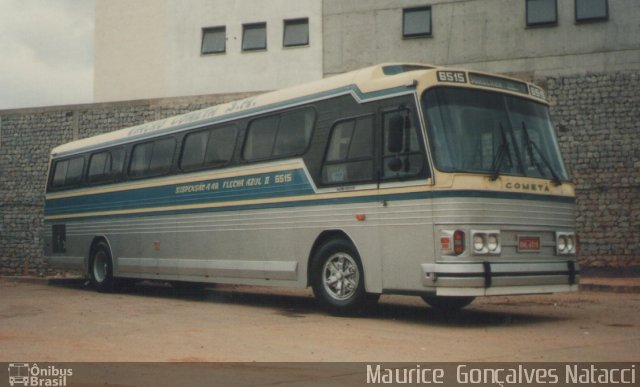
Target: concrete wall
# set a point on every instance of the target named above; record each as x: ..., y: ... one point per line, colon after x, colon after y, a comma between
x: 152, y: 48
x: 487, y: 35
x: 130, y: 52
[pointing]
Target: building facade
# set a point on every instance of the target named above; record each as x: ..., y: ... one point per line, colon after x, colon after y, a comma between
x: 168, y: 48
x: 523, y: 37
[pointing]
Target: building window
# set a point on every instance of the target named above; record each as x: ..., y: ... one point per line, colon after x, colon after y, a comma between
x: 296, y: 33
x: 214, y: 40
x: 542, y: 12
x: 592, y: 10
x: 254, y: 36
x: 416, y: 22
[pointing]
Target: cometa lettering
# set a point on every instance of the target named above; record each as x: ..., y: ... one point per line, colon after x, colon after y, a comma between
x: 528, y: 187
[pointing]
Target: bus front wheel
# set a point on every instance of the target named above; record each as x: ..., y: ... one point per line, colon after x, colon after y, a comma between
x: 101, y: 268
x: 338, y: 278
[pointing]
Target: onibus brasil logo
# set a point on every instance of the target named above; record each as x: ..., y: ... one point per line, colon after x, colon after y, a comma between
x: 31, y: 375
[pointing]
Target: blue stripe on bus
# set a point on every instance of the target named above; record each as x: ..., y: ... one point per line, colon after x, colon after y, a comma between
x: 247, y: 187
x: 291, y: 183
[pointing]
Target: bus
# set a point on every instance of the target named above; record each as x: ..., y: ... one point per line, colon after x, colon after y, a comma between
x: 408, y: 179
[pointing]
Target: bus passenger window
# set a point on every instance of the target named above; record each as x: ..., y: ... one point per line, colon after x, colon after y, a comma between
x: 60, y: 173
x: 105, y: 166
x: 294, y: 132
x: 193, y: 150
x: 208, y: 148
x: 222, y: 141
x: 279, y: 135
x: 152, y: 158
x: 68, y: 172
x: 260, y: 137
x: 349, y: 157
x: 162, y: 156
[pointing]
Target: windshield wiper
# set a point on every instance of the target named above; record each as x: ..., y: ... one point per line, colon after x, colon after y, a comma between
x: 531, y: 146
x: 499, y: 157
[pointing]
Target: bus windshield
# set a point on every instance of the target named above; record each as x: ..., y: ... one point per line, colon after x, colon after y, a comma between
x: 480, y: 131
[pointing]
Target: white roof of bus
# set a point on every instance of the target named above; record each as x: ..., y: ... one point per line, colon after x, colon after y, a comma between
x: 367, y: 80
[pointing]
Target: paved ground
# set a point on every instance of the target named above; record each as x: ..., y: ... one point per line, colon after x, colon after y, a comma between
x: 65, y: 322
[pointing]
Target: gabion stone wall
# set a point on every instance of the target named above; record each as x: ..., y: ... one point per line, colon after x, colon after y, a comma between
x: 26, y: 138
x: 597, y: 117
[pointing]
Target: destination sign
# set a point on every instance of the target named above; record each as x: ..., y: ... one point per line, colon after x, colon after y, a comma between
x: 498, y: 83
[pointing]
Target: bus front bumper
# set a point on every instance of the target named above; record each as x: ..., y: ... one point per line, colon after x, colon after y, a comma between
x: 500, y: 278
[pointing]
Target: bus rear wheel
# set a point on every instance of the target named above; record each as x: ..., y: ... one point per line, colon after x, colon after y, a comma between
x: 101, y: 269
x: 447, y: 304
x: 338, y: 279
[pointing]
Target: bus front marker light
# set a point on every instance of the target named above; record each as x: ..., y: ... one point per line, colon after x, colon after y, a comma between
x: 458, y: 242
x: 445, y: 243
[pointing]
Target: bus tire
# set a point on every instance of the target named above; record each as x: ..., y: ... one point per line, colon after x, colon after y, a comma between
x: 101, y: 269
x: 337, y: 278
x: 447, y: 304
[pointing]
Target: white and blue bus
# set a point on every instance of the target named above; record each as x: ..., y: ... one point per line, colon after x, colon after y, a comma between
x: 394, y: 179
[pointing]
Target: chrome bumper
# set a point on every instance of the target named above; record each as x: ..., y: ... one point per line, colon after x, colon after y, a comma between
x: 500, y: 278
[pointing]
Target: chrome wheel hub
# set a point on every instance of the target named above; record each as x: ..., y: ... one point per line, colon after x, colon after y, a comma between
x: 100, y: 267
x: 340, y: 276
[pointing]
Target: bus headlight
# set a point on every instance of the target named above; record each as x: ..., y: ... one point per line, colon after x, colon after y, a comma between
x: 478, y: 243
x: 562, y: 244
x: 486, y: 242
x: 565, y: 243
x: 492, y: 242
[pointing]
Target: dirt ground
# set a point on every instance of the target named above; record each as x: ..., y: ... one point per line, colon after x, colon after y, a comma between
x: 66, y: 322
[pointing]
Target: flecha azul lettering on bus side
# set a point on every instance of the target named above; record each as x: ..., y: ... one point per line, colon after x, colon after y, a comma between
x: 236, y: 183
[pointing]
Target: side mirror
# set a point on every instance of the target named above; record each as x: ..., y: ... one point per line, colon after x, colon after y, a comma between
x: 395, y: 134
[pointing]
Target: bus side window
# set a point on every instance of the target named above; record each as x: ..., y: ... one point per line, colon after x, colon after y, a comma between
x: 105, y: 166
x: 402, y: 154
x: 213, y: 148
x: 349, y: 156
x: 152, y: 158
x: 68, y: 172
x: 279, y: 135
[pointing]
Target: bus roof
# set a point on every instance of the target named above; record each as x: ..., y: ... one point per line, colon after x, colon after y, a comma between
x: 363, y: 83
